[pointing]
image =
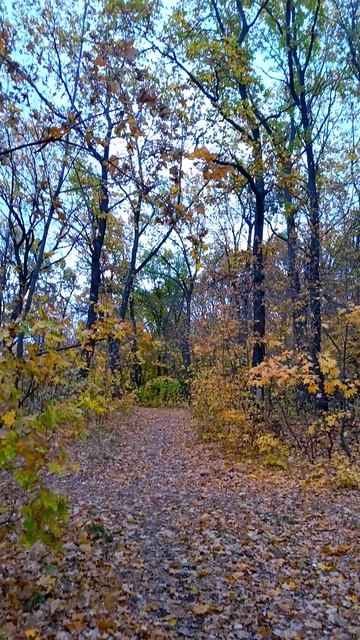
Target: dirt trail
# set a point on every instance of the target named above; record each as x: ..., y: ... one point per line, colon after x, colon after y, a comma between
x: 168, y: 539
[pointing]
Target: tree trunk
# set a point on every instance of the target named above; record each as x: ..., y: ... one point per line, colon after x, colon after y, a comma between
x: 258, y: 277
x: 114, y: 345
x: 101, y: 221
x: 313, y: 274
x: 297, y: 303
x: 186, y: 350
x: 135, y: 365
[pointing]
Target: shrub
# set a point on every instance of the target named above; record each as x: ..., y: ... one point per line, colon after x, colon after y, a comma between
x: 161, y: 392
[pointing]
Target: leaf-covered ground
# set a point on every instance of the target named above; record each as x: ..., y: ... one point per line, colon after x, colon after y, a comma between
x: 168, y: 539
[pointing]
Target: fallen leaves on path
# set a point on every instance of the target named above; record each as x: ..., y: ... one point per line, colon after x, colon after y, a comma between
x: 167, y: 539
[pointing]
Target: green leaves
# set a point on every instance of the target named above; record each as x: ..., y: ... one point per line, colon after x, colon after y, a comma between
x: 44, y: 518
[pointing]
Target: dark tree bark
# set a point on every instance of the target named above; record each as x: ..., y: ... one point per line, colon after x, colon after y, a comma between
x: 298, y: 89
x: 297, y: 303
x: 186, y: 340
x: 258, y: 277
x: 135, y: 364
x: 98, y: 240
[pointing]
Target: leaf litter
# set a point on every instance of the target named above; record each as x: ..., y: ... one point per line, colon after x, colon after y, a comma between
x: 169, y: 539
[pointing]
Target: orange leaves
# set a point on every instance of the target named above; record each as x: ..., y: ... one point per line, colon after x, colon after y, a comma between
x: 56, y: 132
x: 100, y: 61
x: 202, y: 154
x: 340, y: 550
x: 218, y: 172
x: 113, y: 164
x: 212, y: 170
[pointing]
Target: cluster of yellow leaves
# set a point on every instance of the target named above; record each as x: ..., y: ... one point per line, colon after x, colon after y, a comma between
x: 274, y: 452
x: 61, y: 404
x: 286, y: 370
x: 226, y: 412
x: 347, y: 473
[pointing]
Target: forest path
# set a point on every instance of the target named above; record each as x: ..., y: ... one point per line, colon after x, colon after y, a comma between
x: 168, y: 539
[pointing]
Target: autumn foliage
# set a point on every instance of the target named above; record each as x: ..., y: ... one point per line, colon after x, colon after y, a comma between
x: 179, y: 225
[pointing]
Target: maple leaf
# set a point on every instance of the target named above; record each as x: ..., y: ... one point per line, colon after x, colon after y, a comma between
x: 9, y: 418
x: 201, y: 153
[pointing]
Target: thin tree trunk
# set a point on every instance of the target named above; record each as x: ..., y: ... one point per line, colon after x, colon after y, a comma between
x: 186, y: 350
x: 101, y: 222
x: 258, y: 277
x: 114, y: 344
x: 297, y: 304
x: 135, y: 365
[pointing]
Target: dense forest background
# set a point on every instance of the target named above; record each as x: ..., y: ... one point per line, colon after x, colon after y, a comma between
x: 179, y: 222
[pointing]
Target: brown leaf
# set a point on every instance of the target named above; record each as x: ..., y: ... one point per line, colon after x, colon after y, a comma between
x: 202, y: 154
x: 340, y: 550
x: 100, y: 62
x: 202, y: 608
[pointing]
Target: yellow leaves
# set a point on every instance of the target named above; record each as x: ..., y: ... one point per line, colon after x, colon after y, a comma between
x: 237, y: 576
x: 331, y: 420
x: 33, y: 634
x: 9, y: 418
x: 312, y: 387
x: 326, y: 567
x: 274, y: 342
x: 312, y: 429
x: 274, y: 452
x: 328, y: 365
x: 350, y: 390
x: 353, y: 316
x: 347, y: 473
x: 290, y: 585
x: 276, y: 370
x: 172, y: 622
x: 330, y: 386
x: 105, y: 624
x: 56, y: 468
